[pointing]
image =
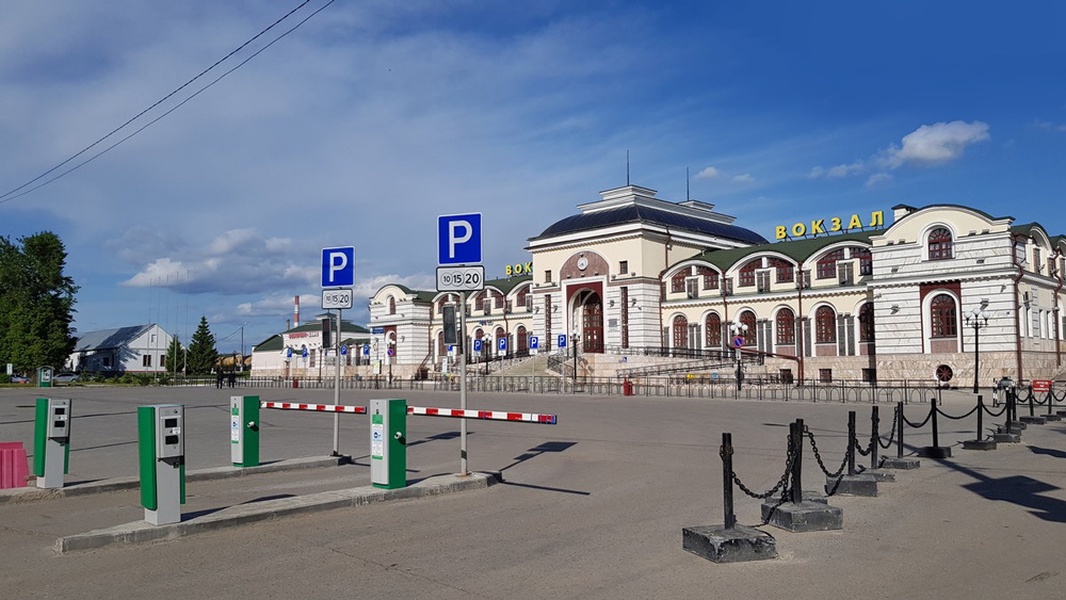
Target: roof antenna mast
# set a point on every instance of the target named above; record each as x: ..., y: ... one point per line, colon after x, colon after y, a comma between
x: 688, y: 192
x: 627, y: 168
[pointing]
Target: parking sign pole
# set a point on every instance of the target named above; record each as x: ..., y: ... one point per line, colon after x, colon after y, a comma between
x: 462, y: 383
x: 337, y: 389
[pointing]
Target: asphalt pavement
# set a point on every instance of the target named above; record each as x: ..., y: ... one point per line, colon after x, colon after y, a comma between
x: 592, y: 507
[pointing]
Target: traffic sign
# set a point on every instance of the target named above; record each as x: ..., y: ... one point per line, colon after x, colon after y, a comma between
x: 288, y: 353
x: 340, y: 298
x: 477, y: 346
x: 304, y: 353
x: 534, y: 342
x: 738, y: 341
x: 501, y: 345
x: 459, y: 239
x: 338, y: 266
x: 461, y: 279
x: 344, y: 349
x: 562, y: 341
x: 366, y: 349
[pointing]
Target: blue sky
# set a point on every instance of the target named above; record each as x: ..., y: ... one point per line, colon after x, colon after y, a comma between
x: 372, y: 118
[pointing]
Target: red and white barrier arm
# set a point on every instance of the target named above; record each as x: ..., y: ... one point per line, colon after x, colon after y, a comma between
x: 491, y: 415
x: 334, y: 408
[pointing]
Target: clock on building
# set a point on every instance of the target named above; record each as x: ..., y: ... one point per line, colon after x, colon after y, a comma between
x: 582, y: 263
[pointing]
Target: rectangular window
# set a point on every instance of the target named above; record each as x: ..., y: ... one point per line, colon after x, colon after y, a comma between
x: 625, y: 317
x: 486, y: 306
x: 548, y: 276
x: 869, y: 376
x: 763, y: 281
x: 844, y: 273
x: 1037, y: 263
x: 146, y: 360
x: 623, y: 267
x: 529, y: 303
x: 825, y: 375
x: 787, y: 377
x: 107, y: 360
x: 499, y: 301
x: 692, y: 288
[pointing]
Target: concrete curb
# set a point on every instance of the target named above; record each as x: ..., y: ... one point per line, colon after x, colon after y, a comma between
x: 32, y: 494
x: 232, y: 516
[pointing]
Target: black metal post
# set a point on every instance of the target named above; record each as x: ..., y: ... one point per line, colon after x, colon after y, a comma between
x: 875, y: 437
x: 899, y: 430
x: 573, y: 342
x: 1008, y: 409
x: 976, y: 351
x: 851, y: 442
x: 726, y: 452
x: 980, y: 417
x: 1032, y: 406
x: 797, y: 461
x: 932, y: 417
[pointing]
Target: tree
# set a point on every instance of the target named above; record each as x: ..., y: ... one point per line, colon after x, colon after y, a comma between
x: 36, y: 302
x: 202, y: 353
x: 176, y: 358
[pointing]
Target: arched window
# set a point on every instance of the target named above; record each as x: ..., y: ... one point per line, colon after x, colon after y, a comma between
x: 940, y: 245
x: 825, y: 325
x: 866, y: 323
x: 523, y: 297
x: 827, y: 265
x: 786, y: 271
x: 677, y: 282
x: 943, y: 316
x: 710, y: 277
x: 713, y: 326
x: 865, y: 258
x: 392, y: 305
x: 680, y: 332
x: 748, y: 318
x: 786, y: 327
x: 746, y: 275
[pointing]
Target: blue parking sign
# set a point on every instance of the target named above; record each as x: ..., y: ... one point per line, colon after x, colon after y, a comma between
x: 562, y: 340
x: 501, y: 344
x: 534, y: 342
x: 338, y: 267
x: 477, y: 345
x: 459, y: 239
x: 366, y: 349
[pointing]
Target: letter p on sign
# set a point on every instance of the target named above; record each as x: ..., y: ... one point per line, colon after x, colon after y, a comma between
x: 338, y: 267
x: 459, y: 239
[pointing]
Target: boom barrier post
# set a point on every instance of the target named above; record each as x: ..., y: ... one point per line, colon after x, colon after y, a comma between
x: 726, y: 452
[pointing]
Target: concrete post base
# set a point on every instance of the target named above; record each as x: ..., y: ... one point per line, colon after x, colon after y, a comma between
x: 720, y: 545
x: 1035, y: 419
x: 903, y: 464
x: 803, y: 517
x: 979, y: 444
x: 1050, y: 418
x: 880, y: 475
x: 852, y: 485
x: 1061, y: 413
x: 935, y: 452
x: 1007, y: 438
x: 1016, y: 425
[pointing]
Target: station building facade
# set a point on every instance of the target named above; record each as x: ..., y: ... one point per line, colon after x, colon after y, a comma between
x: 941, y: 293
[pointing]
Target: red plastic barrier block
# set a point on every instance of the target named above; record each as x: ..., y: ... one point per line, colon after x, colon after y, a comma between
x: 14, y: 467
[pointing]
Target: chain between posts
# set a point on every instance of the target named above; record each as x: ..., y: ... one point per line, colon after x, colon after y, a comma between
x: 892, y: 435
x: 818, y: 456
x: 790, y: 459
x: 944, y: 414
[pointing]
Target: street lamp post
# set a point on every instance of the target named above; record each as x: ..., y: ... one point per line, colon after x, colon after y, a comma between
x: 574, y: 337
x: 738, y: 330
x: 976, y: 318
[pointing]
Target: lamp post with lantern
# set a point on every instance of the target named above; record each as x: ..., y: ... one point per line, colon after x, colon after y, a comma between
x: 976, y: 318
x: 738, y: 330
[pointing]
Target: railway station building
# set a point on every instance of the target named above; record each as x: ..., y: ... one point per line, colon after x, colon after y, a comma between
x: 938, y: 293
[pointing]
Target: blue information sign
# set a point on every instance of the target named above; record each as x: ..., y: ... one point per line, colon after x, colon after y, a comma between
x: 477, y: 345
x: 501, y: 344
x: 534, y: 342
x: 459, y: 239
x: 338, y: 267
x: 562, y: 341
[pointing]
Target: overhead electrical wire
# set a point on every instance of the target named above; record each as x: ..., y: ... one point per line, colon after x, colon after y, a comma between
x: 22, y: 191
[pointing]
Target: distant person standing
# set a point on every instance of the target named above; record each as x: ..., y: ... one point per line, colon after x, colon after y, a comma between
x: 218, y: 378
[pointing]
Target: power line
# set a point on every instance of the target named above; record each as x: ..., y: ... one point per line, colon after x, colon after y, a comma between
x: 22, y: 191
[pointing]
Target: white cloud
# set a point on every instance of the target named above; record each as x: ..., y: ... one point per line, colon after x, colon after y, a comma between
x: 708, y: 173
x: 744, y: 178
x: 935, y: 144
x: 838, y: 171
x: 878, y: 179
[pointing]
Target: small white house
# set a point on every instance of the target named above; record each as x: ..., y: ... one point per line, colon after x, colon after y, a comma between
x: 134, y: 349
